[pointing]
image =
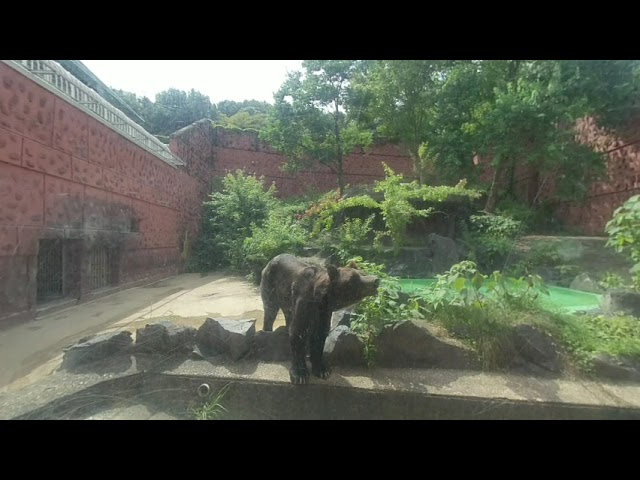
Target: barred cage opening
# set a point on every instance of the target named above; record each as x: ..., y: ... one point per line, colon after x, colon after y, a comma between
x: 100, y: 267
x: 50, y: 275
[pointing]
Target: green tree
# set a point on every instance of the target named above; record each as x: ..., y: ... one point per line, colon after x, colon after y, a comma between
x: 175, y: 109
x: 524, y: 112
x: 231, y: 107
x: 312, y: 119
x: 510, y: 112
x: 401, y: 94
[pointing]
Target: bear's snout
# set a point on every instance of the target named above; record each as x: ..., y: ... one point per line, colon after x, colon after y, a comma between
x: 373, y: 283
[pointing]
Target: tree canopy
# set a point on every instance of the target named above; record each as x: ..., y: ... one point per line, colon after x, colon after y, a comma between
x: 313, y: 117
x: 509, y: 112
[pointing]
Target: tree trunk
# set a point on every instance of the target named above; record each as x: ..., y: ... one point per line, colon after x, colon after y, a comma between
x: 492, y: 199
x: 340, y: 178
x: 339, y: 151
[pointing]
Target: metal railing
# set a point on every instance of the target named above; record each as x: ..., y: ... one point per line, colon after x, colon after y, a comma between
x: 52, y: 76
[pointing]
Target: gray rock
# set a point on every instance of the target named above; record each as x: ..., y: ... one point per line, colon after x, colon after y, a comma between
x: 549, y: 274
x: 342, y: 317
x: 617, y: 368
x: 444, y: 253
x: 409, y: 344
x: 165, y: 337
x: 225, y: 336
x: 585, y: 283
x: 96, y: 347
x: 343, y: 347
x: 537, y: 347
x: 272, y: 346
x: 622, y: 301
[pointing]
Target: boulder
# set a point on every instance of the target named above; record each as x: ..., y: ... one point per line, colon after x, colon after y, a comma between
x: 444, y: 253
x: 617, y: 368
x: 537, y: 347
x: 165, y: 337
x: 272, y: 346
x: 95, y: 347
x: 343, y: 347
x: 225, y: 336
x: 585, y: 283
x: 413, y: 344
x: 622, y: 301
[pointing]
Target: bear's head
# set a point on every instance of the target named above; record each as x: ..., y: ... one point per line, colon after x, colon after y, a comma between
x: 349, y: 285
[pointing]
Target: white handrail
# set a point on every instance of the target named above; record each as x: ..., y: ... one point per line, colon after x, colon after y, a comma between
x: 52, y: 76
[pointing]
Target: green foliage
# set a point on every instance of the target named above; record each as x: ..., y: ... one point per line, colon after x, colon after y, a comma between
x: 174, y: 109
x: 544, y: 253
x: 465, y: 286
x: 244, y: 120
x: 280, y: 234
x: 312, y: 120
x: 624, y: 233
x: 611, y: 281
x: 352, y: 235
x: 401, y: 94
x: 213, y: 408
x: 508, y: 112
x: 388, y: 307
x: 496, y: 225
x: 481, y: 308
x: 229, y: 108
x: 397, y: 207
x: 588, y: 336
x: 229, y: 217
x: 490, y: 240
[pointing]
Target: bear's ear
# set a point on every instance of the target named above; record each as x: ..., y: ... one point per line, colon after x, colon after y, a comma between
x: 333, y: 273
x: 353, y: 264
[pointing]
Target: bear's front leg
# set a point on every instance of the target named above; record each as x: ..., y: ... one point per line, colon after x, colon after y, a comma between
x: 319, y: 334
x: 298, y: 330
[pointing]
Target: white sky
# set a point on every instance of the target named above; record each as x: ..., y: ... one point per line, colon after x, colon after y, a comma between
x: 219, y: 79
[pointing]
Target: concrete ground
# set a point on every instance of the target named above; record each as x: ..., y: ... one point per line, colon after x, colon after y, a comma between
x: 34, y: 349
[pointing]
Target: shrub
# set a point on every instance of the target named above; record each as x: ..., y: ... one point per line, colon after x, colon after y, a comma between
x: 624, y: 233
x: 490, y: 240
x: 229, y: 217
x: 389, y: 306
x: 280, y: 234
x: 398, y: 207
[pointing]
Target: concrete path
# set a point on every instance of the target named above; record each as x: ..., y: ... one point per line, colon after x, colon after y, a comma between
x: 35, y: 347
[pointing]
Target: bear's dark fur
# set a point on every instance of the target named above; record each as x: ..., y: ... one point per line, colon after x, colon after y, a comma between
x: 308, y: 294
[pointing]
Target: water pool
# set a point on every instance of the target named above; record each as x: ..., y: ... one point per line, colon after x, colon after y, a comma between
x: 565, y: 298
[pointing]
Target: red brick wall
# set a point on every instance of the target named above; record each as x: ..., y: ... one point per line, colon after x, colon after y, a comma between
x: 63, y: 174
x: 622, y: 179
x: 622, y: 182
x: 231, y: 150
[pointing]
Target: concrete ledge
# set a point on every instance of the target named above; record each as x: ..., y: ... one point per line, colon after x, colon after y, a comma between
x: 263, y: 391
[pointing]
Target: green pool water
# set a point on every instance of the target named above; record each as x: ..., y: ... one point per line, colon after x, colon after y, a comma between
x: 565, y: 298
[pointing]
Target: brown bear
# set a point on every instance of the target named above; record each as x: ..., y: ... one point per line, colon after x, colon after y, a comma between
x: 308, y: 294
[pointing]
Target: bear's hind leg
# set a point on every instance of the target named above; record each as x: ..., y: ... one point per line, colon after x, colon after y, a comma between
x: 270, y: 313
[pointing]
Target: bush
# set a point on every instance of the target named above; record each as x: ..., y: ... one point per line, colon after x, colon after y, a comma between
x: 388, y: 307
x: 490, y: 239
x: 624, y: 234
x: 397, y: 208
x: 588, y: 336
x: 481, y: 308
x: 280, y: 234
x: 229, y: 217
x: 496, y: 225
